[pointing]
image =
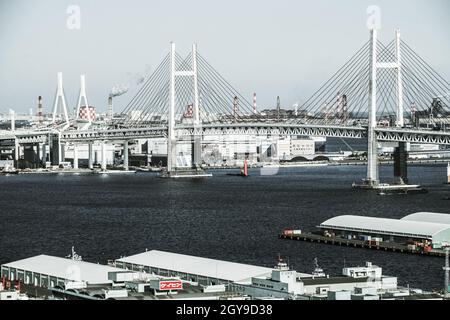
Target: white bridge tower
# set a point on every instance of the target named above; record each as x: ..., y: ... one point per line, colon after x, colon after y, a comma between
x: 83, y: 96
x: 172, y: 139
x: 372, y: 151
x: 60, y: 96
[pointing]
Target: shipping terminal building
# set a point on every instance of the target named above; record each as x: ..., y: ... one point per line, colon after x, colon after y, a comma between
x: 427, y: 227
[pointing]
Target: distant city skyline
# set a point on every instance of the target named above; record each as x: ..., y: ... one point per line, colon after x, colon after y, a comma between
x: 274, y: 48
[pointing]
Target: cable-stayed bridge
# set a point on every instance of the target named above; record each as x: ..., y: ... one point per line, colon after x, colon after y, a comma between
x: 382, y: 93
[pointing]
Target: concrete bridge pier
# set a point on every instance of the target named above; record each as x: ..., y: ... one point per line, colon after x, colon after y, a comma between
x: 125, y: 156
x: 90, y: 156
x: 56, y: 154
x: 103, y: 156
x: 44, y: 154
x: 16, y: 152
x: 373, y: 178
x: 37, y: 159
x: 196, y: 151
x: 75, y: 156
x: 400, y: 164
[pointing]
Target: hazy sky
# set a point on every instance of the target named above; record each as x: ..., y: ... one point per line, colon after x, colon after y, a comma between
x: 283, y: 47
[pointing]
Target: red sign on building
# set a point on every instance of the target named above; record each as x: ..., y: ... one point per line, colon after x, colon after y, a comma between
x: 171, y: 285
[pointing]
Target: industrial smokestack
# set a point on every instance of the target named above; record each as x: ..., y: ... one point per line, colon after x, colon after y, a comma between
x: 254, y: 102
x: 13, y: 120
x: 110, y: 108
x: 39, y: 113
x: 278, y: 107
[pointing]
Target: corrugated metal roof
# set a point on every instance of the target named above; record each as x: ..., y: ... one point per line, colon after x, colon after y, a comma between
x: 65, y: 268
x: 385, y: 226
x: 219, y: 269
x: 428, y: 217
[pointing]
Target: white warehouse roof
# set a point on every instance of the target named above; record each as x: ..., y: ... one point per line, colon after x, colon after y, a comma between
x: 428, y: 217
x: 65, y: 268
x: 403, y: 228
x: 211, y: 268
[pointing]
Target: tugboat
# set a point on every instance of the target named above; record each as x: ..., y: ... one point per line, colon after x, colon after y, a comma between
x: 243, y: 173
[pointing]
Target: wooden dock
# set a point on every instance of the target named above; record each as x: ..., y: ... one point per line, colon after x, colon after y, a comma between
x: 382, y: 246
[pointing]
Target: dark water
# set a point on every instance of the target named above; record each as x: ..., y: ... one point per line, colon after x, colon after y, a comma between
x: 223, y: 217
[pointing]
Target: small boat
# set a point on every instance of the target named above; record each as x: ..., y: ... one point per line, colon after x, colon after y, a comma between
x: 385, y: 189
x: 149, y: 169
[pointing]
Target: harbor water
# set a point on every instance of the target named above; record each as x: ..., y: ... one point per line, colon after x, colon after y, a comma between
x: 223, y: 217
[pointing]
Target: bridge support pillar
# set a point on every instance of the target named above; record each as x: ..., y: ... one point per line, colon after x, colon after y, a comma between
x: 55, y: 149
x: 197, y: 138
x: 37, y: 159
x: 104, y: 156
x: 75, y: 156
x: 372, y: 160
x: 125, y: 156
x: 196, y: 151
x: 372, y: 144
x: 400, y: 164
x: 90, y: 160
x: 44, y: 154
x: 171, y: 139
x: 62, y: 152
x: 16, y: 153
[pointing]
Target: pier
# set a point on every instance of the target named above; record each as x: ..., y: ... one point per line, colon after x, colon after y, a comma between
x: 382, y: 246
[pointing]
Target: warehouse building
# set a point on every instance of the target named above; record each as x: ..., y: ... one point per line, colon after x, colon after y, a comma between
x: 428, y: 217
x: 48, y: 271
x: 199, y: 270
x: 395, y: 230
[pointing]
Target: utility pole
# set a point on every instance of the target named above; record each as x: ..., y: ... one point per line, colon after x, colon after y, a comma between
x: 446, y: 269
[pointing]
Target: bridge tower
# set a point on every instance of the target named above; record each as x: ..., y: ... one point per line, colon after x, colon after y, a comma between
x: 60, y: 96
x: 172, y: 139
x: 372, y: 145
x: 83, y: 96
x: 373, y: 179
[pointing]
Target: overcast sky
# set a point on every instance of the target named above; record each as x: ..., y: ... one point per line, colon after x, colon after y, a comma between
x: 283, y: 47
